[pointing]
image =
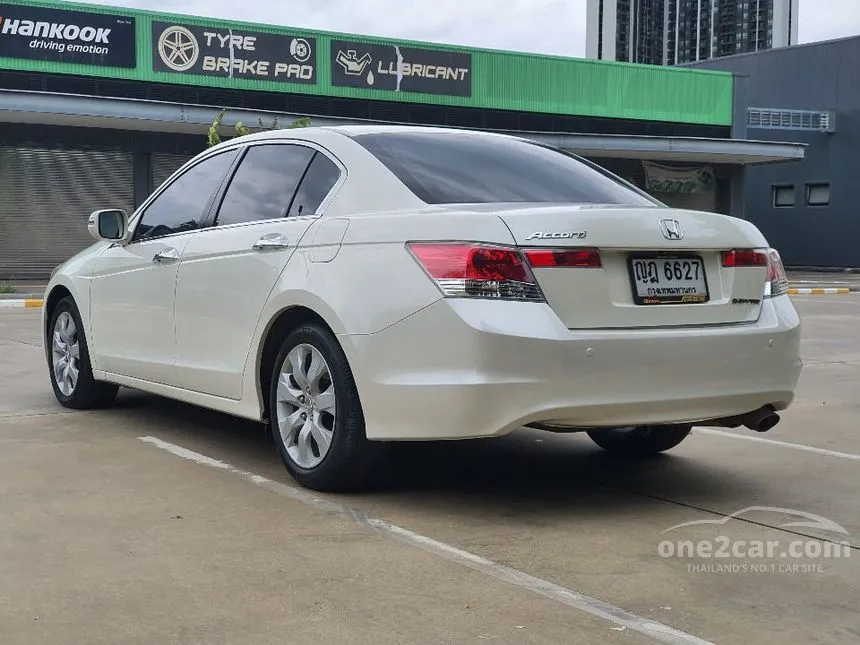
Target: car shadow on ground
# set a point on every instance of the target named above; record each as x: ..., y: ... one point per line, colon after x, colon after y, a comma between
x: 560, y: 473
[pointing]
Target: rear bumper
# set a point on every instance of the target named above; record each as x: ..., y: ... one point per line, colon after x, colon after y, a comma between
x: 468, y: 368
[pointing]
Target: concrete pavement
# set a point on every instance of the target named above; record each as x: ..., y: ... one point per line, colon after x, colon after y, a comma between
x: 111, y: 542
x: 107, y: 538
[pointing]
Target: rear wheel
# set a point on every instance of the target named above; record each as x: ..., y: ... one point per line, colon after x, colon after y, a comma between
x: 316, y: 417
x: 640, y: 440
x: 69, y: 362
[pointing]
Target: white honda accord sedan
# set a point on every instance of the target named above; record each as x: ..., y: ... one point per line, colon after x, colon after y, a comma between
x: 353, y: 286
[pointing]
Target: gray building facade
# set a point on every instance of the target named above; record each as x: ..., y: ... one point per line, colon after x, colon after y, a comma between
x: 806, y: 94
x: 671, y: 32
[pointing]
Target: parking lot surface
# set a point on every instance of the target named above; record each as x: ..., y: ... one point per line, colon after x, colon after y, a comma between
x: 158, y: 522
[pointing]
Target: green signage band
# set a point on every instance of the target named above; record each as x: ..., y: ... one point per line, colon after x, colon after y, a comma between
x: 59, y: 37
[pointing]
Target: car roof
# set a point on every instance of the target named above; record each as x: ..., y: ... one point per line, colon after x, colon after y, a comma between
x: 353, y: 130
x: 313, y: 133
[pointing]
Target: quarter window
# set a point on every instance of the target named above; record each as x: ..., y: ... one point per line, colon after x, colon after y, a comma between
x: 264, y: 184
x: 320, y: 178
x: 182, y: 205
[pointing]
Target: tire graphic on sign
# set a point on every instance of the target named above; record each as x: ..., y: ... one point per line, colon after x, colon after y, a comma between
x: 178, y: 48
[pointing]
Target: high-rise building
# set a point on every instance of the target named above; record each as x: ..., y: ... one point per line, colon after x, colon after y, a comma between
x: 671, y: 32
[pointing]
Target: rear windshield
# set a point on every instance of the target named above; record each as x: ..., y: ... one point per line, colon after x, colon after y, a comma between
x: 453, y: 168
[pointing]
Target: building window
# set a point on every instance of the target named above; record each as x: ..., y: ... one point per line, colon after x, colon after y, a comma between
x: 818, y: 194
x: 783, y: 196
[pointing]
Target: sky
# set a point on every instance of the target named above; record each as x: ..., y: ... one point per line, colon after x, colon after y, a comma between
x: 541, y: 26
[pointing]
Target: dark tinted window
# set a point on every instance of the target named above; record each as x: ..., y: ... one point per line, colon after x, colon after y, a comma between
x: 182, y: 204
x: 264, y: 183
x: 321, y: 177
x: 445, y: 168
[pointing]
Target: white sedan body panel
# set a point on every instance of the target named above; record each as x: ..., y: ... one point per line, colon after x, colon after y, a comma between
x: 433, y: 367
x: 484, y: 369
x: 73, y: 277
x: 132, y: 310
x: 212, y: 340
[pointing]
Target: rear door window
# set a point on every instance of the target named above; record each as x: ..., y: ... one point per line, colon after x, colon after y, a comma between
x: 264, y: 183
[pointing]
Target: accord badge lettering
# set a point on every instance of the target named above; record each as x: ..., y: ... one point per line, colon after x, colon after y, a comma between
x: 567, y: 235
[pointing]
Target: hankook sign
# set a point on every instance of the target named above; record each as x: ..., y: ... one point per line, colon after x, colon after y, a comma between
x: 400, y: 69
x: 233, y: 53
x: 57, y: 35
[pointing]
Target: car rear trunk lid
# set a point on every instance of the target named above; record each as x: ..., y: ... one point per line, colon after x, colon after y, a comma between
x: 657, y: 267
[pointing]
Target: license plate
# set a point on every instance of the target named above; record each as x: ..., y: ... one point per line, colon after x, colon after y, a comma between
x: 668, y: 280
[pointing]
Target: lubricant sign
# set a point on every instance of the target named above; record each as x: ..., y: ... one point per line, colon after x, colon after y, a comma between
x: 233, y: 53
x: 57, y: 35
x: 400, y: 69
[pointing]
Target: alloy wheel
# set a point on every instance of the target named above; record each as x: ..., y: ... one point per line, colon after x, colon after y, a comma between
x: 66, y: 353
x: 306, y: 404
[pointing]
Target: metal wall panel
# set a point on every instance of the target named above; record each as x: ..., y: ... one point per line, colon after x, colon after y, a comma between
x: 816, y: 76
x: 47, y: 196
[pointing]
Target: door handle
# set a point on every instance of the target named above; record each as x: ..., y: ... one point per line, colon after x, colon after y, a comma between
x: 272, y: 242
x: 166, y: 255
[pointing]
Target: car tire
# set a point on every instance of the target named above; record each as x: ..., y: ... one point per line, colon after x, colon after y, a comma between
x: 315, y: 414
x: 640, y: 441
x: 69, y: 362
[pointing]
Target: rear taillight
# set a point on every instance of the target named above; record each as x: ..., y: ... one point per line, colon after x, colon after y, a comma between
x: 471, y: 270
x: 581, y: 258
x: 777, y: 280
x: 745, y: 258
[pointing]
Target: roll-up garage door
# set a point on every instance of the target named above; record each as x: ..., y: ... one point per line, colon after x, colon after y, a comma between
x: 165, y: 165
x: 46, y: 196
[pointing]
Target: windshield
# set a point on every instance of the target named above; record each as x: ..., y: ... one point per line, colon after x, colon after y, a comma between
x: 455, y: 168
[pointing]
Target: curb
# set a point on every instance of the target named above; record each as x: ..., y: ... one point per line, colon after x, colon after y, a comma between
x: 819, y: 291
x: 30, y: 303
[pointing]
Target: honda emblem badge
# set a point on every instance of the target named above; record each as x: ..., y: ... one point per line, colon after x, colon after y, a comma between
x: 671, y: 229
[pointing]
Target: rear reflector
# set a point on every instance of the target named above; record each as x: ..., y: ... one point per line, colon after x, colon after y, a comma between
x: 745, y: 258
x: 470, y: 270
x: 544, y: 258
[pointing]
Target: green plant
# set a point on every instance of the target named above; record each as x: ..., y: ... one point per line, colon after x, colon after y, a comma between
x: 214, y: 137
x: 5, y: 287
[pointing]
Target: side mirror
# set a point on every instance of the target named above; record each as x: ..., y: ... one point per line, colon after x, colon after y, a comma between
x: 108, y: 224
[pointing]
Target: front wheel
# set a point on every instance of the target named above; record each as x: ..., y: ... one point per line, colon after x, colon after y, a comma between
x: 69, y: 362
x: 640, y: 440
x: 316, y: 417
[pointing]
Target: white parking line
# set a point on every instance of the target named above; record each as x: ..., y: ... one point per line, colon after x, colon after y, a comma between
x: 784, y: 444
x: 658, y: 631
